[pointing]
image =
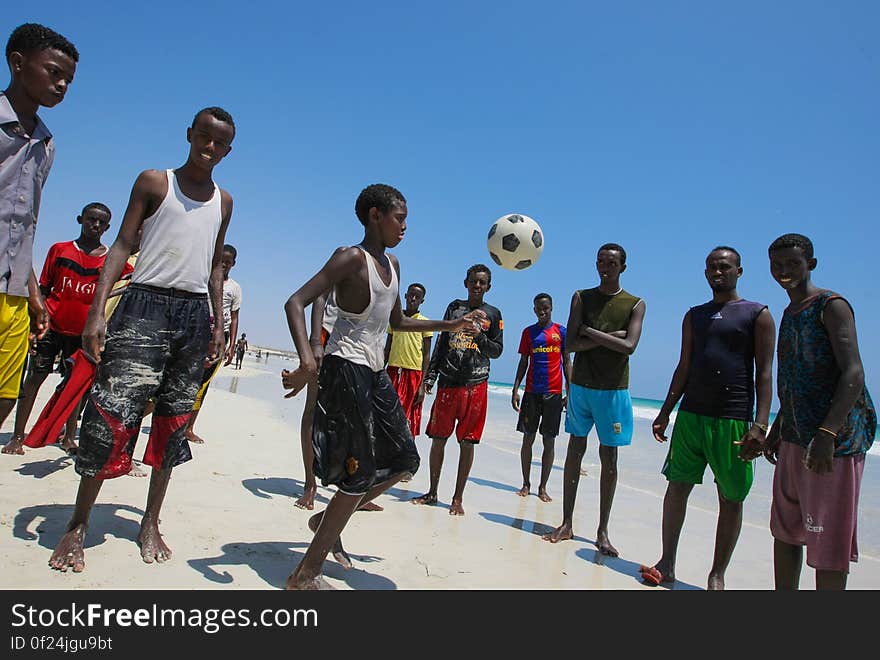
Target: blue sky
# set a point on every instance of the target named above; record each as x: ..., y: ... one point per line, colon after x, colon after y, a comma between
x: 668, y: 127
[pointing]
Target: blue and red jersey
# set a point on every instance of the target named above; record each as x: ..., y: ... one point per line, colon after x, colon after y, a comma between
x: 544, y: 347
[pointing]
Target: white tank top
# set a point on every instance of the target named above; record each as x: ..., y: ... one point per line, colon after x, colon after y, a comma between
x: 330, y: 312
x: 360, y: 338
x: 177, y: 243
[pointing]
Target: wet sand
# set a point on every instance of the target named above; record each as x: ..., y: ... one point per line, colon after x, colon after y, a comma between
x: 230, y: 519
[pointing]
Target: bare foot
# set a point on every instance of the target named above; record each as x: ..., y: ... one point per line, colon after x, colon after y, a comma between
x: 604, y: 545
x: 69, y: 551
x: 543, y: 496
x: 136, y: 470
x: 584, y: 472
x: 338, y: 552
x: 307, y: 499
x: 716, y: 583
x: 14, y: 446
x: 153, y: 548
x: 561, y: 533
x: 69, y: 445
x: 456, y: 509
x: 317, y: 583
x: 371, y: 506
x: 427, y: 498
x: 192, y: 437
x: 524, y: 491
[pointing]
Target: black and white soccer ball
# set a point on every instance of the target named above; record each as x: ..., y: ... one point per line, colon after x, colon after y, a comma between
x: 515, y: 241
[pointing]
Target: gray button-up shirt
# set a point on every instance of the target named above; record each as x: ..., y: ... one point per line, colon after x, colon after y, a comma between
x: 25, y: 161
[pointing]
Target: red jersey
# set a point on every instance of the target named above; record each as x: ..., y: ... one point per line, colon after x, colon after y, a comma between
x: 71, y: 277
x: 544, y: 347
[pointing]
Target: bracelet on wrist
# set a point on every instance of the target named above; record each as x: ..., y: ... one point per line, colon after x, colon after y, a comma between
x: 828, y: 431
x: 764, y: 427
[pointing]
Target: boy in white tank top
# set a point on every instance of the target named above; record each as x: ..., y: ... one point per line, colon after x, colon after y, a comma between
x: 360, y: 434
x: 159, y: 335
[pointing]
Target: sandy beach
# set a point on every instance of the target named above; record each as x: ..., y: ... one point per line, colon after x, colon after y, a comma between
x: 230, y: 520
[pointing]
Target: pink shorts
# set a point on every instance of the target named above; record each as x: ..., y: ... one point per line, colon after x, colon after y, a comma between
x: 819, y: 511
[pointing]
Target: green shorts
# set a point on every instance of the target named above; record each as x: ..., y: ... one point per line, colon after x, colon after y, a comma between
x: 698, y: 440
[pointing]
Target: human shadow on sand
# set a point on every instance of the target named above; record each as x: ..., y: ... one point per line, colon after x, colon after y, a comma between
x: 626, y: 567
x: 104, y: 521
x: 45, y: 467
x: 273, y: 561
x: 529, y: 526
x: 266, y: 487
x: 494, y: 484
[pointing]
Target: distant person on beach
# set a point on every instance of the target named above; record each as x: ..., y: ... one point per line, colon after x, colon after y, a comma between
x: 68, y: 280
x: 362, y: 440
x: 160, y: 333
x: 240, y: 348
x: 42, y: 64
x: 407, y: 355
x: 544, y: 363
x: 604, y: 328
x: 231, y: 308
x: 461, y: 361
x: 726, y: 358
x: 825, y: 425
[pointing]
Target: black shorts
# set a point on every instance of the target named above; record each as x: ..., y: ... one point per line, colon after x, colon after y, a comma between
x: 360, y: 433
x: 157, y: 340
x: 49, y: 347
x: 543, y: 408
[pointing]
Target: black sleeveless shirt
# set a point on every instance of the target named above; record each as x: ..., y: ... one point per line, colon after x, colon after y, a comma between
x: 721, y: 381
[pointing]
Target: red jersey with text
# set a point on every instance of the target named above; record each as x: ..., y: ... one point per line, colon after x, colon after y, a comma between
x: 71, y: 276
x: 544, y: 348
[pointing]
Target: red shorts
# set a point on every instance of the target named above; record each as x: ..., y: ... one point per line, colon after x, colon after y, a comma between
x: 465, y: 405
x: 819, y: 511
x: 406, y: 382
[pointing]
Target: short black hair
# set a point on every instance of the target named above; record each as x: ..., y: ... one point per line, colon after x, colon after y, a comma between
x: 97, y: 205
x: 616, y: 248
x: 792, y: 241
x: 727, y: 248
x: 33, y: 36
x: 217, y: 113
x: 479, y: 268
x: 378, y: 195
x: 420, y: 286
x: 542, y: 296
x: 231, y: 250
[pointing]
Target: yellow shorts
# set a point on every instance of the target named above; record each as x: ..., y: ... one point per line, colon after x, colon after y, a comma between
x: 14, y: 328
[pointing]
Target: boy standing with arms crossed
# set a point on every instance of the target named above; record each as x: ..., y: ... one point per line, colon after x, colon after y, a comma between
x: 604, y: 328
x: 462, y: 363
x: 362, y: 440
x: 545, y: 360
x: 42, y: 64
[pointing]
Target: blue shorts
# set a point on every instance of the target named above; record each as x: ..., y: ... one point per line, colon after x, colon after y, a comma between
x: 609, y: 410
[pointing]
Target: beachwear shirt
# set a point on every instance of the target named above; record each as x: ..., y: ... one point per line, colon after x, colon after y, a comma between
x: 360, y: 338
x: 807, y: 378
x: 71, y: 276
x: 406, y: 347
x: 600, y: 368
x: 544, y: 346
x: 178, y: 241
x: 462, y: 360
x: 721, y: 380
x: 25, y: 161
x: 231, y: 301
